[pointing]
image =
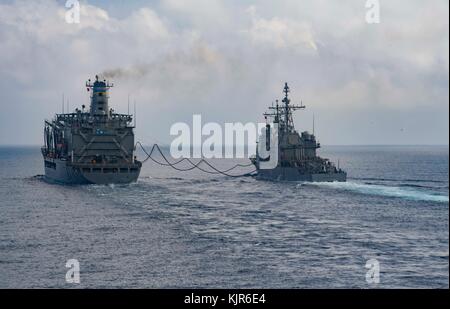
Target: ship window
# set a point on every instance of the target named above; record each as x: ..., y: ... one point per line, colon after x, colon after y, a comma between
x: 86, y: 170
x: 100, y: 108
x: 96, y: 170
x: 100, y: 94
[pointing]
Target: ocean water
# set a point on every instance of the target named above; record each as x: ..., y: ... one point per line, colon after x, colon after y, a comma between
x: 193, y: 230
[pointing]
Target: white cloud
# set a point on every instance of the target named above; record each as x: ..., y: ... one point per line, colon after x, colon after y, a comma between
x: 228, y: 61
x: 145, y: 24
x: 199, y: 13
x: 281, y: 33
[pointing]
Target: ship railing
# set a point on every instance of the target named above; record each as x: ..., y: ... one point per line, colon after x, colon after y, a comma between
x: 85, y: 120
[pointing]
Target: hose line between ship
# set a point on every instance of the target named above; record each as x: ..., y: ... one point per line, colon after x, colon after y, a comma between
x: 193, y: 164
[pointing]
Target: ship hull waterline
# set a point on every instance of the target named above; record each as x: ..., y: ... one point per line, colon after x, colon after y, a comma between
x: 293, y: 174
x: 63, y: 172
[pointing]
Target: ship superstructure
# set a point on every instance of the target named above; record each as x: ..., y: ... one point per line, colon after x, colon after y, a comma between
x: 91, y: 146
x: 297, y: 153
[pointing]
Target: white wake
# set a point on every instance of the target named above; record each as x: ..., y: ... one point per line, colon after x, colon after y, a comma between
x: 390, y: 191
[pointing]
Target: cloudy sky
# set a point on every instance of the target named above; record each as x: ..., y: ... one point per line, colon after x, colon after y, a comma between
x: 383, y: 83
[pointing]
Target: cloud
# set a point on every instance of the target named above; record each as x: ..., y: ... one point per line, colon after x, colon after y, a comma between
x: 281, y: 33
x: 228, y: 61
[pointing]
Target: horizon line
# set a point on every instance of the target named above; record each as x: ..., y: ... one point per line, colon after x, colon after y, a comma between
x: 326, y: 145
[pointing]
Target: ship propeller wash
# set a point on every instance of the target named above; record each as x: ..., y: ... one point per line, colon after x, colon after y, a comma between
x: 297, y: 159
x: 95, y: 146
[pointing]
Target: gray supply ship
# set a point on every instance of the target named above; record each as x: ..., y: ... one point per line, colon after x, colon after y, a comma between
x: 91, y: 147
x: 297, y: 158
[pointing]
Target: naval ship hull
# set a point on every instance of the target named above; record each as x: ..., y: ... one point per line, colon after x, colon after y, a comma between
x: 65, y: 172
x: 293, y: 174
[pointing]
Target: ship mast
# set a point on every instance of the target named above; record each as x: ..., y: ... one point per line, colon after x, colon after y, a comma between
x: 287, y: 122
x: 287, y: 114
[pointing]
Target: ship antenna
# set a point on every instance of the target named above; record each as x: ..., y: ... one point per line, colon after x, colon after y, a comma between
x: 313, y: 123
x: 135, y: 113
x: 286, y: 90
x: 63, y: 103
x: 128, y: 104
x: 277, y: 111
x: 286, y: 108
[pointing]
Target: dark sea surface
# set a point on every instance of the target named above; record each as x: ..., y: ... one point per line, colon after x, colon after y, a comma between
x: 194, y: 230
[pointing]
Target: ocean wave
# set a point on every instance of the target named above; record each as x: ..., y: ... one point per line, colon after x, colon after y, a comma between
x: 421, y: 186
x: 35, y: 177
x: 397, y: 180
x: 389, y: 191
x: 408, y: 185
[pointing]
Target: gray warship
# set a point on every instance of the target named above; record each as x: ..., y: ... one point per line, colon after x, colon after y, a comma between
x: 93, y: 146
x: 297, y: 159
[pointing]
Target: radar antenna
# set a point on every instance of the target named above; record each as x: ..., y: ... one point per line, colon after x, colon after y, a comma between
x: 286, y: 121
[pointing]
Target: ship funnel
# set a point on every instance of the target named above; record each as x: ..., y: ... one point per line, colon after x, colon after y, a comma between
x: 99, y: 96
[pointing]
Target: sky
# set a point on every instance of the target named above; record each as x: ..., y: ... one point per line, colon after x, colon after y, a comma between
x: 366, y: 84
